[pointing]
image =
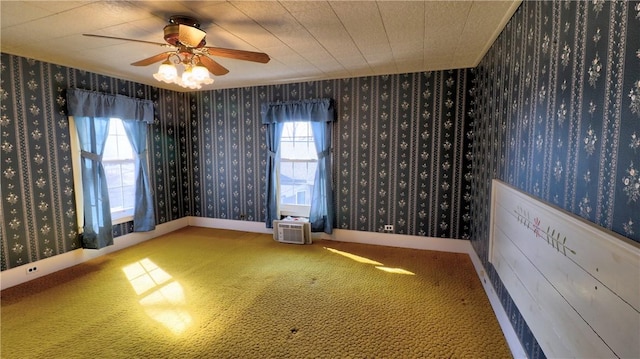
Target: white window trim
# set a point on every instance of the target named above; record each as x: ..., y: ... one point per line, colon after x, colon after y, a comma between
x: 293, y: 210
x: 124, y: 219
x: 77, y: 173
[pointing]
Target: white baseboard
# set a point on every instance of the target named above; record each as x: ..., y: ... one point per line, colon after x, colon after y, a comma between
x: 507, y: 329
x: 18, y: 275
x: 236, y: 225
x: 401, y: 240
x: 343, y: 235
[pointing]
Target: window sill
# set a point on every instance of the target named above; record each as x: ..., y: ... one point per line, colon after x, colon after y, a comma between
x: 294, y: 210
x: 121, y: 220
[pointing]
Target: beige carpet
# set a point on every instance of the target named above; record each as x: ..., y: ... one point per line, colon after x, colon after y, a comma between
x: 205, y: 293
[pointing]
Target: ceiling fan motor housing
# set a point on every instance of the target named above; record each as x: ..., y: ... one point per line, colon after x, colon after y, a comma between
x: 184, y: 20
x: 184, y: 30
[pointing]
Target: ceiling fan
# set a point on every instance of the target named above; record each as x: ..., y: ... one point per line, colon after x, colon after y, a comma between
x: 187, y: 40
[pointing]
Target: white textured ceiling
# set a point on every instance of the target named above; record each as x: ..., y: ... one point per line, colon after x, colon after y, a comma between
x: 306, y: 40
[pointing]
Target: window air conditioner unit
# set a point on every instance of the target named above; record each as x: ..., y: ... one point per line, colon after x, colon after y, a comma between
x: 289, y: 232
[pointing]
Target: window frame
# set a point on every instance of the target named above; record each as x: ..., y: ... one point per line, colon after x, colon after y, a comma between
x: 293, y: 210
x: 122, y: 215
x: 117, y: 217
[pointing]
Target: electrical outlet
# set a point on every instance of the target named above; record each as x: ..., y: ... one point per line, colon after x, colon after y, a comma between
x: 32, y: 269
x: 388, y: 227
x: 242, y: 217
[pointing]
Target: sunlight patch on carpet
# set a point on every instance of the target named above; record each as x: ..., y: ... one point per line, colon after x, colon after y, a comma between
x: 395, y: 270
x: 355, y: 257
x: 164, y: 299
x: 365, y: 260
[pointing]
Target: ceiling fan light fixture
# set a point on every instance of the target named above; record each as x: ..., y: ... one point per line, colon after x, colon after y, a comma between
x: 193, y: 76
x: 167, y: 72
x: 200, y: 73
x: 187, y: 78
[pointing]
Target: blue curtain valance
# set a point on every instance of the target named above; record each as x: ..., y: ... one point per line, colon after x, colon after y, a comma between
x: 316, y: 110
x: 83, y: 103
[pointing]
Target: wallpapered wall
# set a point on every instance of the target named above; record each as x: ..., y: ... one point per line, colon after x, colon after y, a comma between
x: 401, y: 153
x: 37, y: 204
x: 557, y: 115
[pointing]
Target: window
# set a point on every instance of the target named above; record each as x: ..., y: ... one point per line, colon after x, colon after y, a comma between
x: 298, y: 163
x: 118, y: 160
x: 89, y: 124
x: 119, y: 167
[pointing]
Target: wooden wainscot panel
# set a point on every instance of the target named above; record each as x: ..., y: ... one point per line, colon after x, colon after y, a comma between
x: 576, y: 285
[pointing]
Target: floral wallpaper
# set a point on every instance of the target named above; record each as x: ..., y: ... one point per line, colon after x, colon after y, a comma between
x: 228, y: 155
x: 37, y: 203
x: 556, y: 113
x: 400, y: 151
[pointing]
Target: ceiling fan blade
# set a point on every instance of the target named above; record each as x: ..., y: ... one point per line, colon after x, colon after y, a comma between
x: 153, y: 59
x: 239, y: 54
x: 190, y: 36
x: 125, y: 39
x: 213, y: 67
